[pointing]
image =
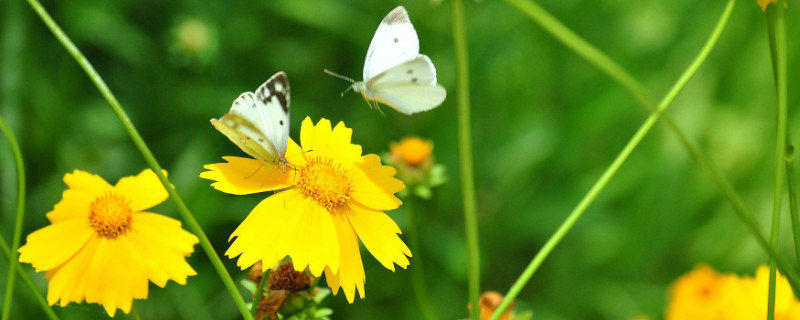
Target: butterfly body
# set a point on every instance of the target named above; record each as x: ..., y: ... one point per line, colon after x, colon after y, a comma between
x: 395, y: 73
x: 258, y: 122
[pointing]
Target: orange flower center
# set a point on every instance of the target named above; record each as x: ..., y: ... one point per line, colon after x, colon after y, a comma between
x: 325, y: 181
x: 110, y: 214
x: 413, y: 150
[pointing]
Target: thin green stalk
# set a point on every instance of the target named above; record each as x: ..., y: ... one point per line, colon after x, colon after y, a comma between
x: 789, y: 158
x: 259, y: 292
x: 28, y: 282
x: 465, y: 156
x: 779, y: 65
x: 146, y: 153
x: 417, y: 274
x: 12, y: 259
x: 614, y: 167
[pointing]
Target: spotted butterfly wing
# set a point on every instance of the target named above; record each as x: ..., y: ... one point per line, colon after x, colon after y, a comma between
x: 258, y: 123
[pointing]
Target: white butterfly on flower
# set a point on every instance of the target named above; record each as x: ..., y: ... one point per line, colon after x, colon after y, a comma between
x: 395, y: 73
x: 258, y: 123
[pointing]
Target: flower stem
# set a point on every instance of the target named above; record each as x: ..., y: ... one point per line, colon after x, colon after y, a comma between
x: 259, y: 292
x: 465, y: 156
x: 12, y: 259
x: 28, y: 282
x: 417, y: 274
x: 146, y: 153
x: 615, y: 165
x: 778, y: 48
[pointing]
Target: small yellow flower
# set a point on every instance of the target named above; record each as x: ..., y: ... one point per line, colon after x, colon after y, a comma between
x: 103, y: 247
x: 696, y: 295
x: 413, y: 158
x: 330, y: 197
x: 412, y: 150
x: 705, y: 294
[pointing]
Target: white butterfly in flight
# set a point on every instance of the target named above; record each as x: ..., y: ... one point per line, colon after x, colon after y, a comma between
x: 395, y: 73
x: 258, y: 123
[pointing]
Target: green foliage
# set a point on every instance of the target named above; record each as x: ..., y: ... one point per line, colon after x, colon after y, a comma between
x: 545, y: 125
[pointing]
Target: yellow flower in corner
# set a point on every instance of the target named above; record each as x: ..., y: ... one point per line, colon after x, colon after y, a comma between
x: 103, y: 247
x: 330, y: 196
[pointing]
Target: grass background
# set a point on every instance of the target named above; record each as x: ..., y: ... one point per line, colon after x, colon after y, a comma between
x: 545, y: 125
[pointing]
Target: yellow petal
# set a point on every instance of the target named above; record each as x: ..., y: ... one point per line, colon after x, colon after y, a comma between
x: 351, y: 270
x: 374, y: 185
x: 117, y: 275
x: 51, y: 246
x: 68, y: 282
x: 164, y: 245
x: 92, y: 184
x: 74, y: 204
x: 258, y: 236
x: 341, y: 136
x: 144, y: 190
x: 246, y: 176
x: 312, y: 240
x: 307, y: 134
x: 324, y: 141
x: 378, y: 232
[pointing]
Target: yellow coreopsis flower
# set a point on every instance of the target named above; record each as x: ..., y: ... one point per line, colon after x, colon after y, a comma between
x: 705, y: 294
x: 330, y: 196
x: 103, y: 247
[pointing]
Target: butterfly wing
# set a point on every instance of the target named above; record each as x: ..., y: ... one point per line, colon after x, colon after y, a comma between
x: 274, y: 97
x: 409, y: 87
x: 394, y: 42
x: 258, y: 123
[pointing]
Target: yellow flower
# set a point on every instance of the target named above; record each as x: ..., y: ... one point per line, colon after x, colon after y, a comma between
x: 696, y: 295
x: 103, y: 247
x: 412, y: 150
x: 705, y: 294
x: 330, y: 197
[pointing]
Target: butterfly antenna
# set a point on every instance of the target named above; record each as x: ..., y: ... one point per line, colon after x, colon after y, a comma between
x: 339, y: 76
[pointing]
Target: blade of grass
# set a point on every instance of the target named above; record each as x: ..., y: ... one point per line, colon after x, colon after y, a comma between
x: 146, y: 153
x: 465, y: 156
x: 789, y: 157
x: 28, y: 282
x: 12, y: 259
x: 585, y: 50
x: 575, y: 215
x: 778, y: 47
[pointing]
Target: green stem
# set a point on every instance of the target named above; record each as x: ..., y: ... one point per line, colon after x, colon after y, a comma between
x: 12, y: 259
x: 28, y: 282
x: 789, y: 158
x: 146, y: 153
x: 417, y: 274
x: 259, y: 292
x: 614, y: 167
x: 465, y: 156
x: 779, y: 65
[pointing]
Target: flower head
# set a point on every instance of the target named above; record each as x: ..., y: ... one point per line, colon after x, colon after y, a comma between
x: 413, y: 158
x: 705, y: 294
x: 103, y: 247
x: 330, y: 196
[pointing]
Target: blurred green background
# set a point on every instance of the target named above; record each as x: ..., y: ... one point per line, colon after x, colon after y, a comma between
x: 545, y: 125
